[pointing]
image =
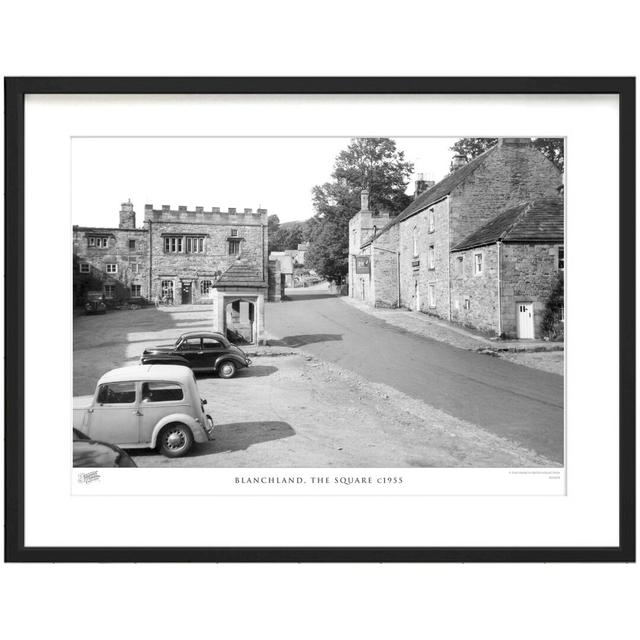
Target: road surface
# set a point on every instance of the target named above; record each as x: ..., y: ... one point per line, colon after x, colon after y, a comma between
x: 523, y: 404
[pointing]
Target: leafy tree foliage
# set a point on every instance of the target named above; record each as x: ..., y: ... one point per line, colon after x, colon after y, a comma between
x: 374, y: 164
x: 552, y: 148
x: 283, y: 236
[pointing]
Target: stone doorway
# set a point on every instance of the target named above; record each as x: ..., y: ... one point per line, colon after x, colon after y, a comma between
x: 186, y: 292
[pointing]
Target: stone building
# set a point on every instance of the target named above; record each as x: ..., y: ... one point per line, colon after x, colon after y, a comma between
x: 410, y: 256
x: 504, y: 273
x: 182, y: 256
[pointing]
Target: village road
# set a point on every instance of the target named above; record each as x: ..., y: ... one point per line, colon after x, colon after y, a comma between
x: 520, y: 403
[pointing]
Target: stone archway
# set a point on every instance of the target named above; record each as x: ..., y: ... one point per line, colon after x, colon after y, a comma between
x: 240, y: 325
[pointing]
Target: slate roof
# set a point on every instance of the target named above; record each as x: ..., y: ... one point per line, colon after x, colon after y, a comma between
x: 540, y: 220
x: 437, y: 192
x: 241, y: 274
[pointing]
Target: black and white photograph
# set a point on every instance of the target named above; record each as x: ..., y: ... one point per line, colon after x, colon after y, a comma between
x: 318, y: 302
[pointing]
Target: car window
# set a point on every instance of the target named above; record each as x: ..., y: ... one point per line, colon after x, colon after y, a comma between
x: 190, y: 343
x: 117, y: 393
x: 161, y: 392
x: 210, y: 343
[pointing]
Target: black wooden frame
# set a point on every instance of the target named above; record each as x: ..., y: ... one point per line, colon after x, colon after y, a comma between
x: 15, y: 91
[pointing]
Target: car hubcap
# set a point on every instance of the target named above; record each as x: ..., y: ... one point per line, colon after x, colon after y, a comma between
x: 175, y: 440
x: 227, y: 370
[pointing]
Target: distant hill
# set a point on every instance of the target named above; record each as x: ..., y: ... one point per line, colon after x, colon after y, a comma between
x: 289, y: 225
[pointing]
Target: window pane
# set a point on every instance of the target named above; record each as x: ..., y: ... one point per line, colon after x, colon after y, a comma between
x: 117, y: 393
x: 161, y: 392
x: 210, y: 343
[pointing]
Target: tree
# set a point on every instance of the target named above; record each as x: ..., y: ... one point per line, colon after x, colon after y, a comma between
x: 374, y: 164
x: 273, y: 228
x: 552, y: 148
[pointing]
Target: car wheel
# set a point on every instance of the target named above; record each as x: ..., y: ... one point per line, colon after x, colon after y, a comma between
x: 226, y: 369
x: 175, y: 440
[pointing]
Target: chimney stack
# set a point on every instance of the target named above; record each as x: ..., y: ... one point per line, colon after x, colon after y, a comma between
x: 364, y: 200
x: 422, y: 185
x: 457, y: 161
x: 514, y: 142
x: 127, y: 215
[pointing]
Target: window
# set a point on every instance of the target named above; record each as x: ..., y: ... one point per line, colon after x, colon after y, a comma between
x: 161, y: 392
x: 561, y: 312
x: 111, y: 267
x: 117, y: 393
x: 205, y: 287
x: 234, y: 232
x: 209, y: 343
x: 132, y: 245
x: 478, y: 265
x: 432, y: 295
x: 109, y: 290
x: 83, y: 267
x: 135, y: 267
x: 167, y: 289
x: 432, y: 220
x: 432, y: 257
x: 195, y: 245
x: 467, y: 303
x: 234, y: 247
x: 173, y: 244
x: 135, y: 290
x: 101, y: 242
x: 190, y: 344
x: 459, y: 265
x: 415, y: 242
x: 561, y: 257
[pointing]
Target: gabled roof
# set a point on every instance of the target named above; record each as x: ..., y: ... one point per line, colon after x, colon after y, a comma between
x: 241, y: 274
x: 437, y: 192
x: 539, y: 220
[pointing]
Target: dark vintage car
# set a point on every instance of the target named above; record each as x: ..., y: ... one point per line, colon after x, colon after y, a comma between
x: 202, y: 351
x: 93, y: 453
x: 95, y: 303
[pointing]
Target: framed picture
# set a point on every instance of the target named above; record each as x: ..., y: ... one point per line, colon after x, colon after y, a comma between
x: 320, y: 319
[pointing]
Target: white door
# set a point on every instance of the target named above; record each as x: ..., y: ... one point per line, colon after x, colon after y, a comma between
x: 525, y: 320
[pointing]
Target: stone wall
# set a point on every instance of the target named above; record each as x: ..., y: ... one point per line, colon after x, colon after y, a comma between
x: 415, y: 270
x: 132, y: 262
x: 384, y: 269
x: 512, y: 173
x: 216, y: 228
x: 474, y: 297
x: 529, y: 274
x: 275, y: 292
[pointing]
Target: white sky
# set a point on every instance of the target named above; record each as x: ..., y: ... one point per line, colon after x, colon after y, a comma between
x: 273, y: 173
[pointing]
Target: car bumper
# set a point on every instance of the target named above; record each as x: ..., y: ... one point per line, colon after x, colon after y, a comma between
x: 208, y: 427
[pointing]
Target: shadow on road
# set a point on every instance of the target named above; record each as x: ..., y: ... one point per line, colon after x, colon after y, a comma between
x: 257, y: 371
x: 238, y: 436
x: 300, y: 341
x: 299, y: 297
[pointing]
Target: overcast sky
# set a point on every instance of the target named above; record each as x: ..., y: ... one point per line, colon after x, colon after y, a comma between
x: 273, y: 173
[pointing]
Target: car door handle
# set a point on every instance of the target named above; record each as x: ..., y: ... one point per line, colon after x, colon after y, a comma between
x: 200, y: 353
x: 136, y: 413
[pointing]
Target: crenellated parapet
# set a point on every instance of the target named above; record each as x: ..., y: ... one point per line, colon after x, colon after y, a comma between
x: 214, y: 215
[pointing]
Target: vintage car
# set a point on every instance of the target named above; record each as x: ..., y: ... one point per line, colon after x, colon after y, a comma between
x: 92, y: 453
x: 202, y: 351
x: 145, y: 406
x: 95, y: 303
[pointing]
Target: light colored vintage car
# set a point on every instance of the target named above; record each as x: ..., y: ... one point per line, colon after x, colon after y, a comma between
x: 145, y: 406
